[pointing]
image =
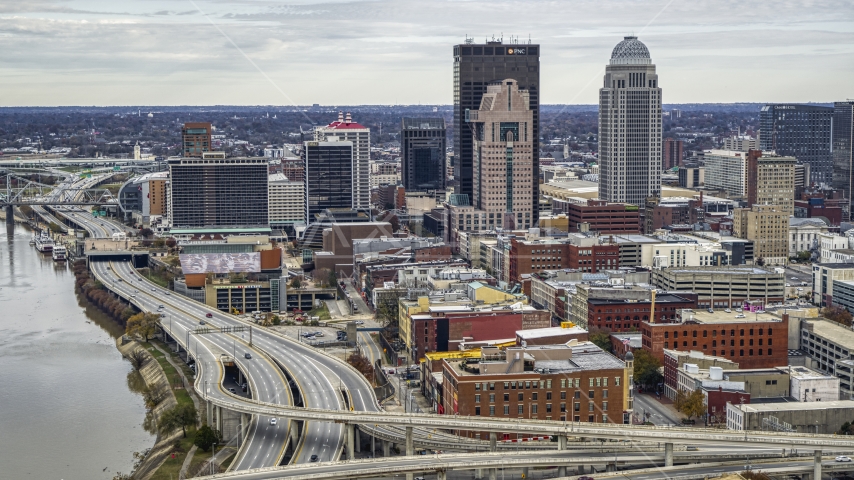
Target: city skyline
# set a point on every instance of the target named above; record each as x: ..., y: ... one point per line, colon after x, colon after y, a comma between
x: 85, y: 52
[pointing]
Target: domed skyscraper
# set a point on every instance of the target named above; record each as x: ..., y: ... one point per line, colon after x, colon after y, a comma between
x: 630, y: 126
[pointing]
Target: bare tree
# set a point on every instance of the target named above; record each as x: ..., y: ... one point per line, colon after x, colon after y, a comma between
x: 137, y: 358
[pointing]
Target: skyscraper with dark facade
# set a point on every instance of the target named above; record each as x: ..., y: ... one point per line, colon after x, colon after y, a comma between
x: 843, y: 152
x: 630, y: 126
x: 475, y: 67
x: 196, y: 139
x: 422, y: 146
x: 328, y: 177
x: 229, y: 192
x: 800, y: 131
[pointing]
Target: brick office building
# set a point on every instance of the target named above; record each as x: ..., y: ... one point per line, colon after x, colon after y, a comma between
x: 586, y: 254
x: 621, y: 315
x: 601, y: 216
x: 580, y: 383
x: 759, y: 340
x: 440, y: 331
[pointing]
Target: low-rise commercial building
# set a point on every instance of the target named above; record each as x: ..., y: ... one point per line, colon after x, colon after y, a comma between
x: 802, y: 417
x: 600, y: 216
x: 442, y: 322
x: 623, y: 314
x: 551, y: 335
x: 577, y: 382
x: 754, y: 340
x: 675, y: 360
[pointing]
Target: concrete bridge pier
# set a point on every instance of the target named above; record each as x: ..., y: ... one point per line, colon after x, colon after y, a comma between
x: 10, y: 215
x: 410, y: 449
x: 373, y: 447
x: 441, y: 475
x: 219, y: 419
x: 295, y: 427
x: 561, y: 445
x: 350, y: 440
x: 524, y: 472
x: 241, y: 432
x: 493, y: 446
x: 209, y: 408
x: 668, y: 454
x: 386, y: 448
x: 580, y: 470
x: 358, y: 440
x: 478, y: 473
x: 817, y: 465
x: 611, y: 467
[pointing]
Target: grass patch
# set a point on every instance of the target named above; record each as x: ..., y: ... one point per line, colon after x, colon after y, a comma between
x: 322, y: 312
x: 175, y: 381
x: 170, y: 469
x: 155, y: 277
x: 228, y: 461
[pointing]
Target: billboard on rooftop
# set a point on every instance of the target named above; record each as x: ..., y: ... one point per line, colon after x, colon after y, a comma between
x: 193, y: 263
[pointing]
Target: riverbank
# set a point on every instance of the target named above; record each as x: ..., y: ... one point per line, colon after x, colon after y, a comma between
x: 94, y: 292
x: 155, y: 381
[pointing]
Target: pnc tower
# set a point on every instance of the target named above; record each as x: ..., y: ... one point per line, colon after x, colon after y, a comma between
x: 630, y: 126
x: 476, y: 67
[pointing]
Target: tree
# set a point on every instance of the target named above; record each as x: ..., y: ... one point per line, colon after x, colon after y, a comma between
x: 837, y: 314
x: 206, y: 437
x: 387, y: 310
x: 137, y: 358
x: 146, y: 233
x: 179, y: 416
x: 691, y: 404
x: 171, y: 242
x: 804, y: 256
x: 322, y: 276
x: 296, y: 283
x: 26, y: 210
x: 142, y: 324
x: 362, y: 364
x: 760, y: 262
x: 54, y: 227
x: 601, y: 337
x: 646, y: 368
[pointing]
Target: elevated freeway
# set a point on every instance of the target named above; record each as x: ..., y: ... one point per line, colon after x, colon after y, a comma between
x: 265, y: 443
x: 443, y: 464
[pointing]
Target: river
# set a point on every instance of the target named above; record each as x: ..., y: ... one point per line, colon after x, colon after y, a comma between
x: 67, y: 406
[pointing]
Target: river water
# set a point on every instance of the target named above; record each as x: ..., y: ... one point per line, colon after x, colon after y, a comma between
x: 67, y: 404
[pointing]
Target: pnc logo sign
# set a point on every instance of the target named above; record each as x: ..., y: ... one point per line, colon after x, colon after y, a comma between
x: 515, y: 51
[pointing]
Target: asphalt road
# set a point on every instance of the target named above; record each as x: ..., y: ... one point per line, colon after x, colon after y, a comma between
x: 658, y: 414
x: 505, y: 460
x: 266, y: 443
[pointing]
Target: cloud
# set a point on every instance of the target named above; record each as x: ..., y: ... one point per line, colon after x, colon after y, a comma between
x: 392, y: 51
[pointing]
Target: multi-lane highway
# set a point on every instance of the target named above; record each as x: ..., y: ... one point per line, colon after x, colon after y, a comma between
x: 266, y: 442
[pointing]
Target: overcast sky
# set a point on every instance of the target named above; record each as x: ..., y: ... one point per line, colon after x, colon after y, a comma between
x: 260, y: 52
